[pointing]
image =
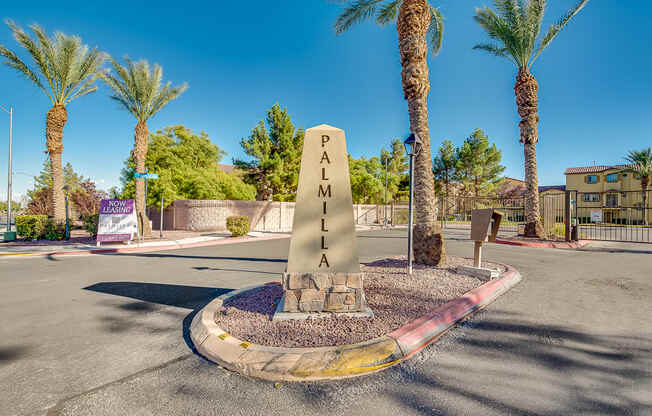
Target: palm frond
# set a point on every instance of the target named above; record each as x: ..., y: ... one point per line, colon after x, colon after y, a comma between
x: 387, y: 13
x: 495, y: 50
x: 14, y: 62
x: 557, y: 27
x: 138, y: 88
x: 436, y: 30
x: 499, y: 29
x: 534, y: 17
x: 357, y: 11
x: 67, y: 65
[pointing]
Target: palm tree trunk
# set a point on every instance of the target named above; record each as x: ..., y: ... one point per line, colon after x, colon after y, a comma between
x: 140, y: 154
x: 526, y: 88
x: 412, y: 26
x: 55, y: 120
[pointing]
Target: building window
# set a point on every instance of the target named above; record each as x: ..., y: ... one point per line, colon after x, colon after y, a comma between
x: 624, y: 175
x: 592, y: 179
x: 612, y: 201
x: 591, y: 197
x: 612, y: 177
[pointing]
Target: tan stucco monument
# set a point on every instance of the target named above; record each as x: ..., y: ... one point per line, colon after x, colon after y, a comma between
x: 323, y: 272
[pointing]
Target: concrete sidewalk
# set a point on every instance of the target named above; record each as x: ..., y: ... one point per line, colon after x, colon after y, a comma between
x: 197, y: 240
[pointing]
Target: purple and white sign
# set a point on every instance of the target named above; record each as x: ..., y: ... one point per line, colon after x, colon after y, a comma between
x: 117, y: 220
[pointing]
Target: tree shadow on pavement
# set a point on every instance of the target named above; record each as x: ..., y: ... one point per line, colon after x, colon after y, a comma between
x: 499, y: 364
x: 150, y: 296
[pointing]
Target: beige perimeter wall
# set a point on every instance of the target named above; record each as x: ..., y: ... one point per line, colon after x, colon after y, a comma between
x: 204, y: 215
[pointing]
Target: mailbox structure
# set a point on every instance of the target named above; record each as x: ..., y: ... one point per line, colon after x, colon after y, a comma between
x: 485, y: 224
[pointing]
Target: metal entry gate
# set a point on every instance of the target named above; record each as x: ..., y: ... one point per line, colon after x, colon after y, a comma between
x: 613, y: 215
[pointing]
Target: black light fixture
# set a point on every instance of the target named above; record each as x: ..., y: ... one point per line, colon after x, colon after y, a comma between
x: 413, y: 145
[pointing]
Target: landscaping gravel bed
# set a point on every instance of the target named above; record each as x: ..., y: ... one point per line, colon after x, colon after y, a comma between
x: 393, y: 296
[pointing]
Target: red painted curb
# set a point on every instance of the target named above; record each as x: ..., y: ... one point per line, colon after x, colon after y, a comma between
x: 415, y: 335
x: 222, y: 241
x: 572, y: 244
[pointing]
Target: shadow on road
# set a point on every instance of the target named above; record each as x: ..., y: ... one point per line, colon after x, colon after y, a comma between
x: 12, y: 353
x: 506, y: 365
x: 151, y: 295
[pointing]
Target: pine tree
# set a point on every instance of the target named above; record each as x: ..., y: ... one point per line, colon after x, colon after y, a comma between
x: 276, y: 148
x: 479, y: 165
x: 444, y: 166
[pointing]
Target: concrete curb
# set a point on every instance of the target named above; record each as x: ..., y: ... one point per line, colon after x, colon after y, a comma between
x: 174, y: 245
x: 344, y: 361
x: 561, y: 244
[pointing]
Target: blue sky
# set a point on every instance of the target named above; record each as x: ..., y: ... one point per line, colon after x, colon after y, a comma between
x: 239, y: 58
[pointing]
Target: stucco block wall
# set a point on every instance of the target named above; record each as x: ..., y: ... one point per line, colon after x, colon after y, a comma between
x: 208, y: 215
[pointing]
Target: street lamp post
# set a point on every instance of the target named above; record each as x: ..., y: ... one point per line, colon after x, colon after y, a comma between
x: 9, y: 236
x: 67, y: 235
x: 385, y: 207
x: 412, y: 146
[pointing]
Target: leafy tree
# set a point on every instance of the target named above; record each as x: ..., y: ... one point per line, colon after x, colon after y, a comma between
x: 417, y: 24
x: 276, y: 151
x: 397, y: 160
x: 41, y: 195
x: 478, y: 164
x: 444, y: 165
x: 642, y: 165
x: 87, y: 198
x: 515, y: 27
x: 138, y: 90
x: 64, y: 69
x: 187, y: 167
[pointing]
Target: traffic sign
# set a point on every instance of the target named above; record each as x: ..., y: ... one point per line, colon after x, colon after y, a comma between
x: 145, y: 175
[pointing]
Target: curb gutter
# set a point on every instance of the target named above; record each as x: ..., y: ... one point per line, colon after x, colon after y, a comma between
x: 344, y: 361
x: 561, y: 244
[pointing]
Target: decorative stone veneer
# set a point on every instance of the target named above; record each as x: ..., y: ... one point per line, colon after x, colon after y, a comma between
x: 323, y: 292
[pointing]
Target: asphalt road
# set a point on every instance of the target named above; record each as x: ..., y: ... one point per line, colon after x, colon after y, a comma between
x: 104, y: 335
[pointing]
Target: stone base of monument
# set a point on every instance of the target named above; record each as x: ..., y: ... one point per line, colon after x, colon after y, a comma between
x: 479, y: 272
x: 307, y: 295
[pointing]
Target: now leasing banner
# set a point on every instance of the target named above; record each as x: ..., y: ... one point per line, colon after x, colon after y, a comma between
x: 117, y: 220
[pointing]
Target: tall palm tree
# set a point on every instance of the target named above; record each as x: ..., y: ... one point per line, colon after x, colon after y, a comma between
x: 138, y: 89
x: 418, y: 23
x: 642, y: 165
x: 64, y: 69
x: 515, y: 26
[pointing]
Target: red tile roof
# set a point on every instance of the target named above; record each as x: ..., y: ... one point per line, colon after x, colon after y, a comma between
x: 595, y: 169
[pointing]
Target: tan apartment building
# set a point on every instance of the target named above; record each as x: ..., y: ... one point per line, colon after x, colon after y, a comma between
x: 612, y: 193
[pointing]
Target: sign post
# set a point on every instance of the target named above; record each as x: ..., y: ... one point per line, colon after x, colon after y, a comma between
x: 145, y: 175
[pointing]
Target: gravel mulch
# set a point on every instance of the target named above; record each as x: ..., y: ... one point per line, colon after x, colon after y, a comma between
x: 394, y: 297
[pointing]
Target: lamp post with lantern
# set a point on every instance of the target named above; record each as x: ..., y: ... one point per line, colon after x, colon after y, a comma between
x: 413, y: 145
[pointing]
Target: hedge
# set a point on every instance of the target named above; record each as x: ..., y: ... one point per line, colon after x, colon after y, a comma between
x: 31, y: 227
x: 54, y: 231
x: 238, y: 225
x: 91, y: 223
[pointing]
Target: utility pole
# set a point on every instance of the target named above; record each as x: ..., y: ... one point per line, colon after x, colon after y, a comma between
x: 9, y: 236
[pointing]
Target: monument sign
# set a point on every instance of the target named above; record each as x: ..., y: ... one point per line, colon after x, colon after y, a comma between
x: 323, y: 272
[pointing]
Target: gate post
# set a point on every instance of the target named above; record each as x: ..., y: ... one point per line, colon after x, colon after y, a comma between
x: 567, y: 215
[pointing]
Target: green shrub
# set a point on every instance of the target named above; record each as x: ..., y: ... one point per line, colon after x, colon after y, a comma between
x: 90, y: 224
x: 238, y: 225
x: 31, y: 227
x: 55, y: 231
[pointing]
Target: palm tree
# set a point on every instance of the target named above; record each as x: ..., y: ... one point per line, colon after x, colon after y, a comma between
x: 138, y: 89
x: 642, y: 165
x: 64, y: 69
x: 516, y: 26
x: 418, y: 23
